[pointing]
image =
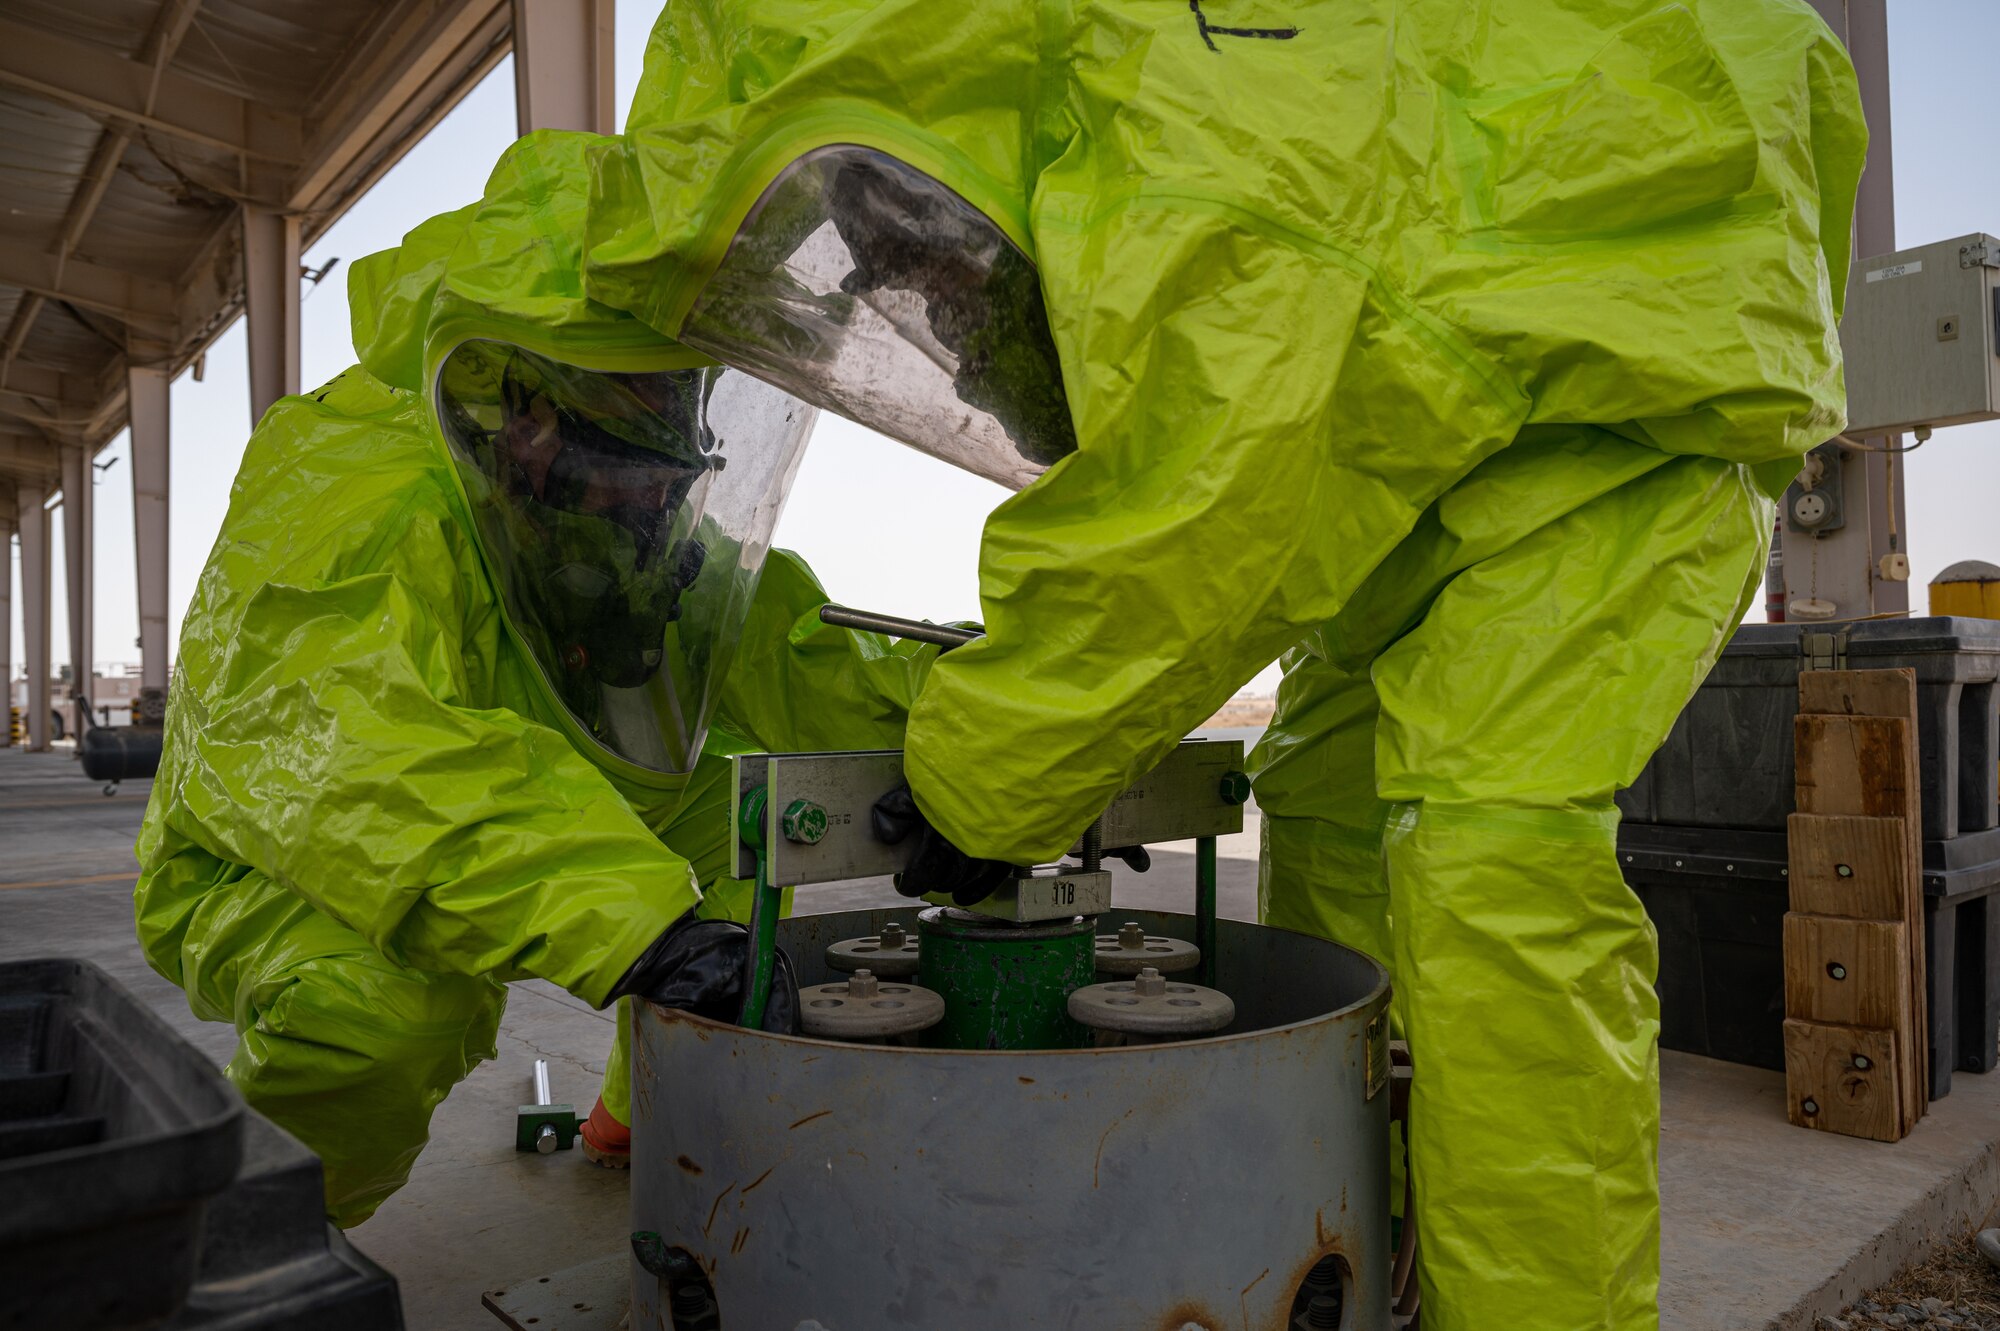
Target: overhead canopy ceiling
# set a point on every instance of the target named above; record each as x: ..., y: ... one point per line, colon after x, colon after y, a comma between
x: 132, y: 135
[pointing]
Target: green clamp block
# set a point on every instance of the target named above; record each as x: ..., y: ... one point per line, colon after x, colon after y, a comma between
x: 803, y: 823
x: 1235, y: 788
x: 545, y: 1128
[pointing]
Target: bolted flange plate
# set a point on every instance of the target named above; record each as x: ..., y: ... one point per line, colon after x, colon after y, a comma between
x: 1132, y: 949
x: 1161, y: 1007
x: 865, y: 1008
x: 891, y: 954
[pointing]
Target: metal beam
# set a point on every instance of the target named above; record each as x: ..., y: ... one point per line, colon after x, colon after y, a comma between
x: 145, y: 301
x: 169, y: 27
x: 405, y: 78
x: 271, y: 291
x: 1845, y: 567
x: 6, y: 625
x: 147, y: 393
x: 79, y: 549
x: 563, y: 65
x: 26, y: 311
x: 35, y: 589
x: 33, y: 461
x: 111, y: 88
x: 63, y: 417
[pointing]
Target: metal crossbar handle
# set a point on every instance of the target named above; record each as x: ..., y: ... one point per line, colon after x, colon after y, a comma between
x: 942, y: 635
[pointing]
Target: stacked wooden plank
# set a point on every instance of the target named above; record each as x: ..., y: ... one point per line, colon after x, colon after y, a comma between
x: 1855, y: 1047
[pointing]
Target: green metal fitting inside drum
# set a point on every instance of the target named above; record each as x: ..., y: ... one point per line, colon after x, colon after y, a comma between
x: 1004, y: 986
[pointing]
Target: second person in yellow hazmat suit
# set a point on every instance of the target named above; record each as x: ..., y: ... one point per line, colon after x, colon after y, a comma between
x: 456, y: 689
x: 1454, y: 348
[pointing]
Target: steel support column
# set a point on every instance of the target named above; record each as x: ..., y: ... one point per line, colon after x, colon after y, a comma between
x: 36, y: 585
x: 271, y: 295
x: 147, y: 394
x: 1845, y: 566
x: 79, y: 484
x: 6, y: 626
x: 563, y: 65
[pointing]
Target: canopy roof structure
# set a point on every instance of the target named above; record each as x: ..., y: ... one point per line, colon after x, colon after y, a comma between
x: 135, y: 137
x: 162, y: 164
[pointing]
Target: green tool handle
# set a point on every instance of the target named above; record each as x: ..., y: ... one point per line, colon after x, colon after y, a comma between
x: 1204, y: 906
x: 765, y: 907
x: 766, y: 904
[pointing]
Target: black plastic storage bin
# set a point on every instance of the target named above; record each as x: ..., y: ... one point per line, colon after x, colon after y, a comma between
x: 114, y: 1133
x: 270, y: 1261
x: 1728, y: 761
x: 1718, y: 899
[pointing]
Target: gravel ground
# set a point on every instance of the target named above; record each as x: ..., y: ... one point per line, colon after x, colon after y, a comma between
x: 1956, y: 1289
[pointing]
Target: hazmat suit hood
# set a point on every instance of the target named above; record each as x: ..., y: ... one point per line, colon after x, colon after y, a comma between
x: 623, y: 487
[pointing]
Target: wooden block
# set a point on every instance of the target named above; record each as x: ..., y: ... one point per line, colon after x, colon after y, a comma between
x: 1853, y: 765
x: 1850, y: 766
x: 1843, y: 1079
x: 1853, y: 867
x: 1859, y: 692
x: 1847, y: 972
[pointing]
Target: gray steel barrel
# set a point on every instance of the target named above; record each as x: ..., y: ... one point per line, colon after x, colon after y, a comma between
x: 838, y: 1187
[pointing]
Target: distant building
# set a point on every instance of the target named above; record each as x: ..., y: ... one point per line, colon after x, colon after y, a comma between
x: 113, y: 688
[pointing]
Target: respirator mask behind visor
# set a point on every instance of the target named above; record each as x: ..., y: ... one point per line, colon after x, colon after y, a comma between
x: 625, y: 518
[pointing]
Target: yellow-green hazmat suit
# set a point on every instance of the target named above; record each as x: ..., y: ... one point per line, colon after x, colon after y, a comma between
x: 371, y: 812
x: 1453, y: 347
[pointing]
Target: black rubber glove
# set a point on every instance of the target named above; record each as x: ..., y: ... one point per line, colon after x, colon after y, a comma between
x: 934, y: 865
x: 703, y: 966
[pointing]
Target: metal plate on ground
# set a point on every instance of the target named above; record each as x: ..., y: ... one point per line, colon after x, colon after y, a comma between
x: 1180, y: 798
x: 593, y: 1296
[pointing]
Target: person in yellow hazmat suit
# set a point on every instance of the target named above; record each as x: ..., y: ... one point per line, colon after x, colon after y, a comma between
x: 456, y: 691
x: 1452, y: 349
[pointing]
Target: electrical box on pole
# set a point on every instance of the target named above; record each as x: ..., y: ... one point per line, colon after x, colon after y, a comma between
x: 1921, y: 337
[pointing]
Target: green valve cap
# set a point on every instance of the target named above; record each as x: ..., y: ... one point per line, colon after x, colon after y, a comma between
x: 1235, y: 788
x: 804, y: 822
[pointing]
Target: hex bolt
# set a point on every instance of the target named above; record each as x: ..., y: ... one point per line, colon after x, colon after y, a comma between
x: 1132, y: 935
x: 862, y: 984
x: 1149, y: 983
x: 893, y: 938
x: 1324, y: 1310
x: 1235, y: 788
x: 803, y: 822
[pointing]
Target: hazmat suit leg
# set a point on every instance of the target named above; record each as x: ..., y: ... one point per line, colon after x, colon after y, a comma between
x: 1544, y: 666
x: 346, y: 1050
x: 1328, y: 835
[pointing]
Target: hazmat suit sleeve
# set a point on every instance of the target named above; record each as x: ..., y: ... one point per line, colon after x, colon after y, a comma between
x: 327, y: 731
x: 1225, y: 488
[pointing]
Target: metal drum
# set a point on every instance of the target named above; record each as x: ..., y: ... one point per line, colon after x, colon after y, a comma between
x: 822, y: 1186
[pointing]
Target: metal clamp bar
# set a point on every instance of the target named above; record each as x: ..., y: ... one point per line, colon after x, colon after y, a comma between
x: 942, y: 635
x: 814, y: 824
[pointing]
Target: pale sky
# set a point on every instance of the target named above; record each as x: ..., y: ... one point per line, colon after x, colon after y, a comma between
x: 889, y: 529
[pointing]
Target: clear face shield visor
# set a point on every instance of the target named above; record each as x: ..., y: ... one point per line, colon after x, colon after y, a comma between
x: 866, y: 287
x: 625, y: 519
